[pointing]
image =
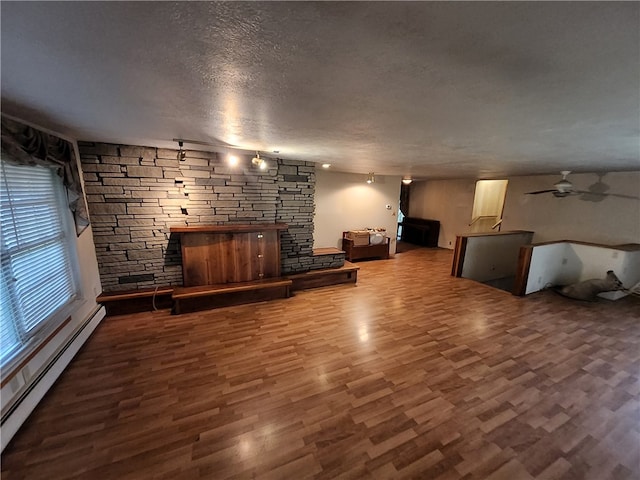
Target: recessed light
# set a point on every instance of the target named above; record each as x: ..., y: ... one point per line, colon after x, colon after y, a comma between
x: 326, y: 165
x: 407, y: 180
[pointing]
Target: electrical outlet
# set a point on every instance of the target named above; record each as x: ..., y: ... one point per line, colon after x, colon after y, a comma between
x: 614, y: 254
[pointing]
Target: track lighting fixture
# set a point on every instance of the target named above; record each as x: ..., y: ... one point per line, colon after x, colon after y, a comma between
x: 371, y: 178
x: 232, y: 160
x: 182, y: 154
x: 259, y: 162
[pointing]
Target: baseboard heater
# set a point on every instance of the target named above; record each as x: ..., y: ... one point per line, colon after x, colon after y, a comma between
x: 27, y: 401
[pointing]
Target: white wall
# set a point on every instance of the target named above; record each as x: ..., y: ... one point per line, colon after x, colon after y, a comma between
x: 566, y: 263
x: 554, y: 264
x: 490, y: 257
x: 609, y: 220
x: 85, y: 316
x: 448, y: 201
x: 596, y: 261
x: 344, y: 201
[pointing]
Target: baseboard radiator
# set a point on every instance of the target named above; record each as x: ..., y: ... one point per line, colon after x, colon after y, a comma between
x: 27, y: 401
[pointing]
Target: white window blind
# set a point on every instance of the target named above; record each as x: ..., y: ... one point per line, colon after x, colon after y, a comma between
x: 36, y: 276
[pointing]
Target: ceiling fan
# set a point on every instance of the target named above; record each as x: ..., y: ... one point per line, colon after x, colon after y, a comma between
x: 564, y: 188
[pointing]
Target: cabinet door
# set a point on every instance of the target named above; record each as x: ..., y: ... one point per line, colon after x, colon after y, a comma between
x: 207, y: 258
x: 214, y: 258
x: 269, y: 250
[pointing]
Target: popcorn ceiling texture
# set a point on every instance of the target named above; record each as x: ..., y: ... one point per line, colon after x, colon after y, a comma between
x: 135, y: 194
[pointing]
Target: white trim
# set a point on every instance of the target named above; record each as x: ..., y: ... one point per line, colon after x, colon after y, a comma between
x: 28, y: 401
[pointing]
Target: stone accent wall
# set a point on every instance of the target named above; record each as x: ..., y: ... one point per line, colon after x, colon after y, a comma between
x: 296, y: 190
x: 333, y: 260
x: 135, y: 194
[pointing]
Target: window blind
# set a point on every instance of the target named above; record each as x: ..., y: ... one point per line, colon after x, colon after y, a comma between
x: 36, y: 276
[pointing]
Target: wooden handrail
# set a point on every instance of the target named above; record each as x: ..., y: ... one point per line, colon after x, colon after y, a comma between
x: 481, y: 216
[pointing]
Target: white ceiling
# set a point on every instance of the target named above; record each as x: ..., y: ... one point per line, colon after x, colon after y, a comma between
x: 433, y: 90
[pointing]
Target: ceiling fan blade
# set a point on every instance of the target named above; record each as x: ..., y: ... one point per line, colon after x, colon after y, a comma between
x: 619, y: 195
x: 541, y: 191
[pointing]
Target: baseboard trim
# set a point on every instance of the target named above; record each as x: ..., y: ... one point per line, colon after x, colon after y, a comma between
x: 17, y: 414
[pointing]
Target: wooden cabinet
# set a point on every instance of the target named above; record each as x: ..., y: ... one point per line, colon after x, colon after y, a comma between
x: 420, y: 231
x: 353, y: 252
x: 229, y: 253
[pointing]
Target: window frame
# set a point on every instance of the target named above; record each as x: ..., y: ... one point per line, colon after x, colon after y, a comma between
x: 45, y: 329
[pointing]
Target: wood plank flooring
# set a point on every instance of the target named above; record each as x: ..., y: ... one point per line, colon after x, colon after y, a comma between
x: 411, y: 373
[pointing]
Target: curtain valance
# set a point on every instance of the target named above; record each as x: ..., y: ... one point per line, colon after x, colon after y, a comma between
x: 26, y: 145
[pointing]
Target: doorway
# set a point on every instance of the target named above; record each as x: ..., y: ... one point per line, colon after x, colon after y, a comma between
x: 488, y: 204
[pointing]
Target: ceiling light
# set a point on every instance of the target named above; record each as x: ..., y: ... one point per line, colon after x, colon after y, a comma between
x: 232, y: 160
x: 407, y: 180
x: 326, y: 165
x: 259, y: 162
x: 182, y: 154
x: 371, y: 178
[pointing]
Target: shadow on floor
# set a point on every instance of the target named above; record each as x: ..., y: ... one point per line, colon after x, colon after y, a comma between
x: 402, y: 247
x: 505, y: 283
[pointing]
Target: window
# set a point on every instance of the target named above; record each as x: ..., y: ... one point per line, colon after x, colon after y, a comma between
x: 37, y: 279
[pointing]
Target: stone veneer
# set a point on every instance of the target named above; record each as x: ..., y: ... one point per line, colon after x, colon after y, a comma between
x: 331, y: 260
x: 135, y: 194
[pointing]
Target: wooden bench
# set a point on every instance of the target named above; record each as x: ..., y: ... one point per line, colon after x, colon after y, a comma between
x: 133, y: 301
x: 348, y: 273
x: 357, y: 252
x: 192, y: 299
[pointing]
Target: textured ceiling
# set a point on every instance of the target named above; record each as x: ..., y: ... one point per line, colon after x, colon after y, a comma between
x: 433, y: 90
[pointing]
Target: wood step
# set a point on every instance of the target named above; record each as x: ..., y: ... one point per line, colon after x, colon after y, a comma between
x: 192, y: 299
x: 138, y: 300
x: 348, y: 273
x: 327, y: 251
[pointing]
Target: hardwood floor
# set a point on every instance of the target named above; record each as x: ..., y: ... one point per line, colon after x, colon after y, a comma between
x: 409, y: 374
